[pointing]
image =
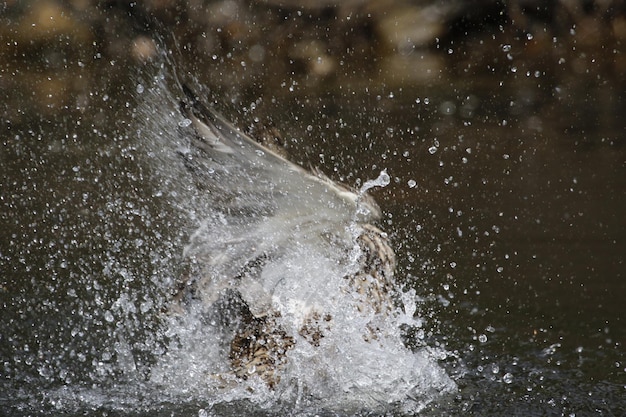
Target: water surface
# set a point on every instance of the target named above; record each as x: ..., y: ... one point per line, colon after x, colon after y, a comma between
x: 506, y: 214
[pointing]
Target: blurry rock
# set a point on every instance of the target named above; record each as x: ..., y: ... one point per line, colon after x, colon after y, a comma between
x: 143, y: 49
x: 408, y: 27
x: 47, y: 20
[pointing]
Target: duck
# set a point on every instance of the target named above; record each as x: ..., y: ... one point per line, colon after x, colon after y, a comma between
x: 278, y: 244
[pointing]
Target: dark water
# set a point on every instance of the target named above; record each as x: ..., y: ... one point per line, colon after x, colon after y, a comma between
x: 506, y: 209
x: 510, y: 225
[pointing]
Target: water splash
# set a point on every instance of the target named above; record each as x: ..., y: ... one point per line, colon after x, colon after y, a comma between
x: 345, y: 371
x: 382, y: 180
x: 141, y: 358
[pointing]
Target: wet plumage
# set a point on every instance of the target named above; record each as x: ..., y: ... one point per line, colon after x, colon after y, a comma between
x: 274, y: 226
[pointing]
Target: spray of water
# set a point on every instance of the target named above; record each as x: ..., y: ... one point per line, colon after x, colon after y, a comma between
x: 344, y: 370
x: 182, y: 361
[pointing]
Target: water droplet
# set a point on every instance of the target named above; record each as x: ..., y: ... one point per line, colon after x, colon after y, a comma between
x: 412, y: 183
x: 432, y: 150
x: 108, y: 317
x: 482, y: 338
x: 184, y: 123
x: 145, y: 306
x: 140, y: 88
x: 507, y: 378
x: 382, y: 181
x: 44, y: 371
x: 447, y: 108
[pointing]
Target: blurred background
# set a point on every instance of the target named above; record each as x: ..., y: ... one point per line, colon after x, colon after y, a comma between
x: 59, y: 49
x: 501, y: 124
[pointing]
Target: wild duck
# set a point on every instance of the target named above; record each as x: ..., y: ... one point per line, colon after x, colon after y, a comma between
x: 274, y: 227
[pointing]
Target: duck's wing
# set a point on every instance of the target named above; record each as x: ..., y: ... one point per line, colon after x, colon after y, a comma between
x: 261, y: 203
x: 249, y: 182
x: 268, y: 174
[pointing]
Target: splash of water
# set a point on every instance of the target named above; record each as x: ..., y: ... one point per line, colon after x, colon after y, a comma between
x: 187, y: 364
x: 382, y: 180
x: 344, y: 372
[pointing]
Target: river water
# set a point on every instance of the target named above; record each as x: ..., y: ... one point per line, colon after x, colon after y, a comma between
x: 506, y: 210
